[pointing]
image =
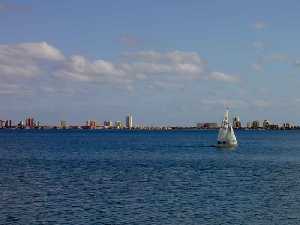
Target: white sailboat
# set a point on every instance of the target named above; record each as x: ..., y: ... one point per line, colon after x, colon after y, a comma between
x: 226, y: 136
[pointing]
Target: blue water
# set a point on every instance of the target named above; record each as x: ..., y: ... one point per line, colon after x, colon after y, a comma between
x: 158, y: 177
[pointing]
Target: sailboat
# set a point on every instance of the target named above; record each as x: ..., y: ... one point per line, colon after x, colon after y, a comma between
x: 226, y: 136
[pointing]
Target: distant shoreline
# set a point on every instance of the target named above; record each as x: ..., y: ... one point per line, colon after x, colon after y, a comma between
x: 142, y: 129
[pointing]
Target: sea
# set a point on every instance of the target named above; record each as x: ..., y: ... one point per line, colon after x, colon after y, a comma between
x: 148, y: 177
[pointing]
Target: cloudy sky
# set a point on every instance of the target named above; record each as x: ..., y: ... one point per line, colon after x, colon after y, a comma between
x: 166, y: 62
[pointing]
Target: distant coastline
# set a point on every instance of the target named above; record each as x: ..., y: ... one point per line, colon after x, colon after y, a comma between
x: 177, y: 128
x: 31, y: 124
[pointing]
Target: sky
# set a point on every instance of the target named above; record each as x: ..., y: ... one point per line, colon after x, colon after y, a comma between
x: 165, y: 62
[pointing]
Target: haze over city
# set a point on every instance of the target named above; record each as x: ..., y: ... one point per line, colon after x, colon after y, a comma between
x: 167, y: 63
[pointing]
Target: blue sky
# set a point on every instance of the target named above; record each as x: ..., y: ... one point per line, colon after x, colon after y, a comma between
x: 166, y: 62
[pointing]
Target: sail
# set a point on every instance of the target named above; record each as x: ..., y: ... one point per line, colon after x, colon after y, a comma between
x: 222, y: 134
x: 233, y: 137
x: 230, y: 136
x: 226, y: 136
x: 224, y: 128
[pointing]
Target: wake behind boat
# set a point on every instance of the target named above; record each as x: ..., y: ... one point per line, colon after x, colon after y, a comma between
x: 226, y: 136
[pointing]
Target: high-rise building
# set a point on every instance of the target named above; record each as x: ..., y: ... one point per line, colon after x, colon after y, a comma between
x: 266, y: 124
x: 287, y: 126
x: 63, y: 124
x: 21, y: 124
x: 108, y: 124
x: 129, y: 121
x: 118, y: 124
x: 91, y: 124
x: 236, y: 122
x: 8, y: 124
x: 255, y: 124
x: 29, y: 122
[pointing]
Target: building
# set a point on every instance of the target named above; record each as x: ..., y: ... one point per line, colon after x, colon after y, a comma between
x: 21, y: 124
x: 129, y: 121
x: 91, y: 124
x: 249, y: 125
x: 207, y: 125
x: 287, y: 126
x: 63, y: 124
x: 236, y: 122
x: 274, y: 126
x: 108, y: 124
x: 118, y: 124
x: 2, y: 122
x: 8, y: 124
x: 29, y: 122
x: 255, y: 124
x: 266, y: 124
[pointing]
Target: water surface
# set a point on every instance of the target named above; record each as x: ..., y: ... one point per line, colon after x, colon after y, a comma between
x: 143, y: 177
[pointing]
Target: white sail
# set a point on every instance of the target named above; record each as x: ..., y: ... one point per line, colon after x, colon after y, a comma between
x: 226, y: 136
x: 230, y: 136
x: 224, y: 127
x: 222, y: 133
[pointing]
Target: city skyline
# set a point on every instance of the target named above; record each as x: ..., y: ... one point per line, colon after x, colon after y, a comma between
x: 171, y: 63
x: 128, y: 123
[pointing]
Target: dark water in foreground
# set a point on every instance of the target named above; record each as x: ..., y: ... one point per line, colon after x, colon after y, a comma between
x: 113, y: 177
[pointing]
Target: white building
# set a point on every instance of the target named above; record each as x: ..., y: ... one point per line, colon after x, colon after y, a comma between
x: 63, y: 124
x: 266, y: 124
x: 118, y: 125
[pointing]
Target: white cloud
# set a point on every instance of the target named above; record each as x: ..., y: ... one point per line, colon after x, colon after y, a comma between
x: 19, y: 69
x: 145, y: 65
x: 13, y: 89
x: 143, y: 56
x: 26, y: 59
x: 184, y: 57
x: 168, y: 57
x: 272, y: 58
x: 40, y: 50
x: 187, y: 65
x: 148, y: 68
x: 223, y: 77
x: 79, y: 68
x: 43, y: 61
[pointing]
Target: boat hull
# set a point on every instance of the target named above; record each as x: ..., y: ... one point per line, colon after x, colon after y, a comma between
x: 227, y: 145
